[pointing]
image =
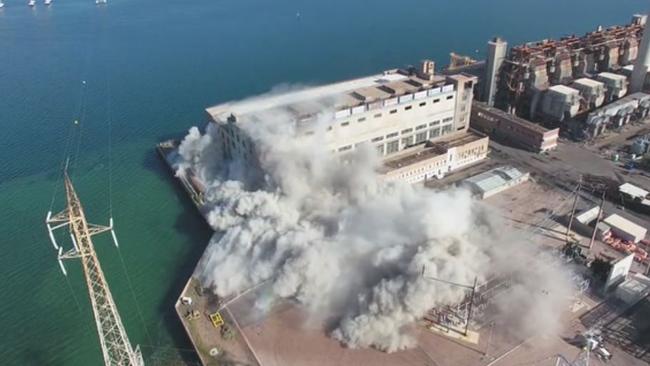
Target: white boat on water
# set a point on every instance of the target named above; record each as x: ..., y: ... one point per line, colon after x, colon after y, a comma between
x: 47, y: 2
x: 31, y: 3
x: 2, y: 5
x: 100, y: 2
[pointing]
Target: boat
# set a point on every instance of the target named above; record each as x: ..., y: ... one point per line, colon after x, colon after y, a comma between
x: 2, y: 5
x: 31, y: 3
x: 47, y: 2
x: 100, y: 2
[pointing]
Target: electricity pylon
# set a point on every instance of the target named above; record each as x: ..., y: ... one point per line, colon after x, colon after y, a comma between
x: 115, y: 345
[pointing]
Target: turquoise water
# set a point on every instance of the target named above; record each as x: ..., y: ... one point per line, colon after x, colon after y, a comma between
x: 153, y: 67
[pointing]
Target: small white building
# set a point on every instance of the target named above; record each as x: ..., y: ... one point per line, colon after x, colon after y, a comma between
x: 494, y: 181
x: 561, y: 102
x: 615, y: 84
x: 634, y: 192
x: 592, y: 92
x: 626, y: 229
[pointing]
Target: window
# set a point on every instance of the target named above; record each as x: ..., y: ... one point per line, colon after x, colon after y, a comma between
x: 378, y: 115
x: 434, y: 123
x: 345, y: 124
x: 391, y: 135
x: 448, y: 119
x: 361, y: 119
x: 408, y: 107
x: 392, y: 147
x: 329, y: 128
x: 345, y: 148
x: 436, y: 100
x: 380, y: 149
x: 423, y: 104
x: 407, y: 141
x: 393, y: 111
x: 460, y: 128
x: 449, y: 97
x: 435, y: 132
x: 408, y: 130
x: 446, y: 129
x: 421, y: 137
x: 421, y: 126
x: 377, y: 139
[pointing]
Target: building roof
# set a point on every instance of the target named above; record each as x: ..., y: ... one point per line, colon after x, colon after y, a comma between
x: 589, y: 83
x: 333, y: 97
x: 633, y: 190
x: 563, y: 89
x: 370, y: 94
x: 427, y: 151
x: 625, y: 225
x: 611, y: 76
x: 511, y: 118
x: 588, y: 215
x: 494, y: 178
x: 399, y: 88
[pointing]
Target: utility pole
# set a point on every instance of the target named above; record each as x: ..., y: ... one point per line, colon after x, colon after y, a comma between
x: 115, y: 345
x: 573, y: 209
x: 600, y: 215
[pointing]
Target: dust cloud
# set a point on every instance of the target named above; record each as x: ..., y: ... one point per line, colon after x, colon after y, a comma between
x: 326, y: 231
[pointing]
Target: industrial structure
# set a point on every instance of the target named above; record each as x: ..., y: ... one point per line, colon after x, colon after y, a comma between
x: 511, y: 129
x: 635, y: 106
x: 494, y: 181
x: 641, y: 145
x: 114, y: 342
x: 517, y: 82
x: 625, y: 229
x: 404, y: 114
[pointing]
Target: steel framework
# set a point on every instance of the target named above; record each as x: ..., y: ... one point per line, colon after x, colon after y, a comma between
x: 115, y: 345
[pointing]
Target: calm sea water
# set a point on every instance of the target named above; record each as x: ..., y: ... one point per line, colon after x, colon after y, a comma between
x: 154, y: 66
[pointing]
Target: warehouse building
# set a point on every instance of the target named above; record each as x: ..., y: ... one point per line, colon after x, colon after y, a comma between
x: 511, y: 129
x: 635, y: 197
x: 395, y: 112
x: 435, y: 160
x: 494, y: 181
x: 626, y: 229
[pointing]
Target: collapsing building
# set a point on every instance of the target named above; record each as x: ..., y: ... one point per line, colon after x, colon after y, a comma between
x: 409, y: 116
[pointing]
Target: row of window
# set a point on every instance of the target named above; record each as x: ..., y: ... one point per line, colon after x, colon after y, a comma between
x: 393, y: 146
x: 393, y: 111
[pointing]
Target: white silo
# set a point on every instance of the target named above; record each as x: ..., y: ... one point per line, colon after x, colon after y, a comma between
x: 642, y: 63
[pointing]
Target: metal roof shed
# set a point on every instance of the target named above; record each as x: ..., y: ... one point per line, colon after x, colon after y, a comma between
x: 626, y: 229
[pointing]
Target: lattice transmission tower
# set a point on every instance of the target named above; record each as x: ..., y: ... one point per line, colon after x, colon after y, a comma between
x: 115, y: 345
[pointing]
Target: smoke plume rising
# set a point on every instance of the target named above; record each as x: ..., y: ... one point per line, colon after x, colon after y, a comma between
x: 326, y: 232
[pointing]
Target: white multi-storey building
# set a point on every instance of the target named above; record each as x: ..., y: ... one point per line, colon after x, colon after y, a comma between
x: 393, y: 111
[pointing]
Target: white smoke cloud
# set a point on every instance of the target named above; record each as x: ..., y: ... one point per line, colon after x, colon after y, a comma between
x: 328, y: 233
